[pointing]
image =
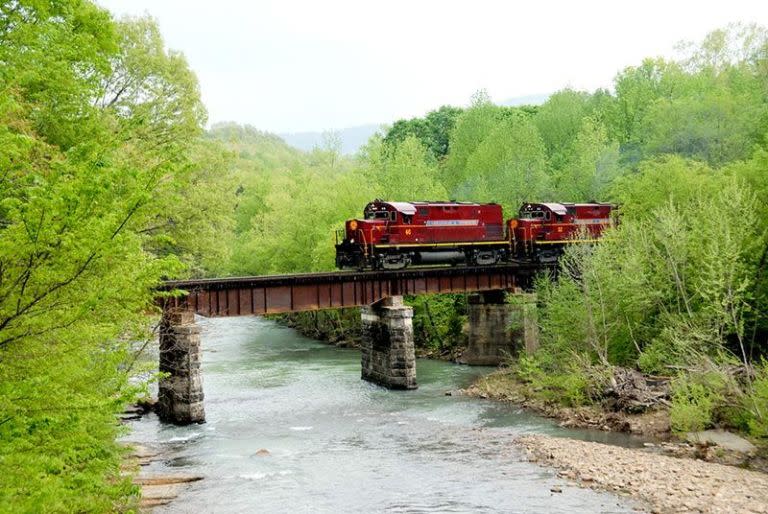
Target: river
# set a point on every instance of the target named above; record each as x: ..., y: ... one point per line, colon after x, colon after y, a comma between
x: 339, y: 444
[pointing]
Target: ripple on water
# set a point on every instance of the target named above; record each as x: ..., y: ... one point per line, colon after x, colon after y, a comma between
x: 261, y: 476
x: 184, y: 438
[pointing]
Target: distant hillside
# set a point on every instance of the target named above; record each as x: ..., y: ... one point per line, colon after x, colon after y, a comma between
x: 525, y: 100
x: 352, y: 138
x: 265, y: 149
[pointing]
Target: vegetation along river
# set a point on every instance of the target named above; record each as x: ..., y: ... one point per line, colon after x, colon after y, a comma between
x: 338, y: 444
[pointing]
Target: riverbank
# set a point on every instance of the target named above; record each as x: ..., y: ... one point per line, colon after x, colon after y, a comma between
x: 653, y: 424
x: 504, y: 386
x: 666, y: 484
x: 157, y: 490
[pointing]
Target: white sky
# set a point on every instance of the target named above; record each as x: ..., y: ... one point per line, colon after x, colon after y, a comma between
x: 292, y: 65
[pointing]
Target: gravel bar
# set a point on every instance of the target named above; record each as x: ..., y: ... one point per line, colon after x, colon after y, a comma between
x: 665, y: 484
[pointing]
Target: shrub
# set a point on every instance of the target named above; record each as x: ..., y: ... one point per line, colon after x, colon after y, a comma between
x: 756, y: 403
x: 571, y: 385
x: 694, y: 399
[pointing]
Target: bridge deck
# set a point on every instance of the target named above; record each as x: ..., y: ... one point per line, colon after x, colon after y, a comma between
x: 275, y: 294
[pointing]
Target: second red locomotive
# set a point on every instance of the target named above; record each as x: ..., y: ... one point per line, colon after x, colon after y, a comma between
x: 394, y: 235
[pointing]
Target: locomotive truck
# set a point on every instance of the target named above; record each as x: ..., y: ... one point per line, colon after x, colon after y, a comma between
x: 395, y: 235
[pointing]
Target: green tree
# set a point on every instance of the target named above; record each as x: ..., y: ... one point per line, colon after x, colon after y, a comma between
x: 591, y: 165
x: 433, y: 130
x: 559, y: 120
x: 88, y: 170
x: 403, y: 171
x: 470, y: 130
x: 508, y: 166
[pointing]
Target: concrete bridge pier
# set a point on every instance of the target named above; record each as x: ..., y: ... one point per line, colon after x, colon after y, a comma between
x: 499, y: 330
x: 388, y: 353
x: 180, y: 396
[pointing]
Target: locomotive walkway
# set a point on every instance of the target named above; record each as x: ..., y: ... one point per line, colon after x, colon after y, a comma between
x: 388, y: 354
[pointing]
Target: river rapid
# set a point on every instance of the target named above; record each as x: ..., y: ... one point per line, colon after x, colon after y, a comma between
x: 338, y: 444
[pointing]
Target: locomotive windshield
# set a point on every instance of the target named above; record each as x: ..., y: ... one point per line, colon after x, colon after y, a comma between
x: 376, y: 215
x: 529, y: 215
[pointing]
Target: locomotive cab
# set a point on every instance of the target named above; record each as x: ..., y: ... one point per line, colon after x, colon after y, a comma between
x: 361, y: 233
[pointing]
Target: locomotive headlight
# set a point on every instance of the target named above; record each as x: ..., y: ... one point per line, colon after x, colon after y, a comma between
x: 513, y: 224
x: 352, y: 240
x: 353, y: 225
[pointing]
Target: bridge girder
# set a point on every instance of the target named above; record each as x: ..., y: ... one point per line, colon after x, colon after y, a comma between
x: 315, y: 291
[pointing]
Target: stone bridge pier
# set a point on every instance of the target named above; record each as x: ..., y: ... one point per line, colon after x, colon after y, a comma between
x: 180, y: 395
x: 499, y: 329
x: 388, y: 354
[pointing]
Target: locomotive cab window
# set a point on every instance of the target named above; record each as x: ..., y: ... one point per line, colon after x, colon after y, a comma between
x: 377, y: 215
x: 393, y: 216
x: 532, y: 215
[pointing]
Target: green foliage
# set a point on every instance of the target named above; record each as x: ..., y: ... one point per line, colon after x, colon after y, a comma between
x: 438, y: 321
x: 508, y: 166
x: 691, y: 286
x: 101, y: 178
x: 637, y: 88
x: 756, y: 403
x: 401, y: 171
x: 559, y: 121
x: 497, y: 155
x: 656, y: 357
x: 570, y: 385
x: 433, y: 131
x: 590, y: 164
x: 693, y: 402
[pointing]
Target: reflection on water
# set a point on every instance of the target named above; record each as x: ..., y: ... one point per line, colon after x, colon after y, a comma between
x: 337, y: 444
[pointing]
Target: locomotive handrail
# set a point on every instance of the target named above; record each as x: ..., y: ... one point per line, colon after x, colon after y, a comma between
x: 365, y: 244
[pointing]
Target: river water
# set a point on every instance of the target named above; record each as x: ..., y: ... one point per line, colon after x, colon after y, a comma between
x: 339, y: 444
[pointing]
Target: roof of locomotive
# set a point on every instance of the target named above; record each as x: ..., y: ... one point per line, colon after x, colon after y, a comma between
x: 409, y: 208
x: 562, y: 208
x: 557, y: 208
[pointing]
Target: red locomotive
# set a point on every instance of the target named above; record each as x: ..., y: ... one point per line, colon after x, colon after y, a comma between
x: 542, y: 230
x: 394, y: 235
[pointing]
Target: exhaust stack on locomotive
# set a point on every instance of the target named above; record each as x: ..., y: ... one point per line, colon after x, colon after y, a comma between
x: 394, y: 235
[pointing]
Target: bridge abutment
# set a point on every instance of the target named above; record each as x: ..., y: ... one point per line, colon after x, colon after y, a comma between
x: 387, y: 348
x: 180, y: 396
x: 499, y: 330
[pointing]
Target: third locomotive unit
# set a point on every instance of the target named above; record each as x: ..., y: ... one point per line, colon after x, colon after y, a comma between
x: 394, y: 235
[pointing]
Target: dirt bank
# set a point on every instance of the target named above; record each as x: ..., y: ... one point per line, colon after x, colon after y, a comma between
x: 665, y: 483
x: 503, y: 386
